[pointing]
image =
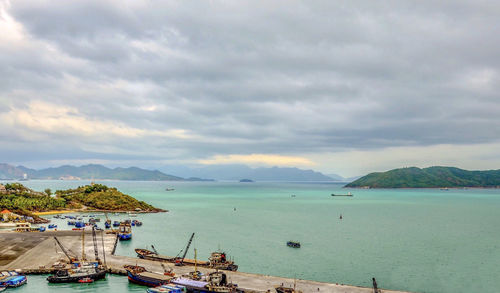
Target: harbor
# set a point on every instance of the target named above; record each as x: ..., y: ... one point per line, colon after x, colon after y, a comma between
x: 38, y: 253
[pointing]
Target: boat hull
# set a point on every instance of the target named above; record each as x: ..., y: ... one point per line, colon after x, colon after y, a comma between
x: 144, y: 281
x: 146, y: 254
x: 75, y: 279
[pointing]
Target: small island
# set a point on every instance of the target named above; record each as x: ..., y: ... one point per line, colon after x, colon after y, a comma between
x: 246, y: 180
x: 95, y: 197
x: 432, y: 177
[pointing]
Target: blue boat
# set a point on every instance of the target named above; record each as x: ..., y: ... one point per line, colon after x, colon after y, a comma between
x: 12, y: 279
x: 107, y: 225
x: 52, y: 226
x: 41, y: 229
x: 116, y: 224
x: 71, y: 223
x: 125, y: 231
x: 79, y: 224
x: 169, y: 288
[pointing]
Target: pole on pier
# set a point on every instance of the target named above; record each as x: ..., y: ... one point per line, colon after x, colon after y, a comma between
x: 103, y: 249
x: 375, y: 287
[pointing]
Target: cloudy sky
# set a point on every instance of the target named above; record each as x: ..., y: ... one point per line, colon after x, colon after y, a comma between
x: 343, y: 87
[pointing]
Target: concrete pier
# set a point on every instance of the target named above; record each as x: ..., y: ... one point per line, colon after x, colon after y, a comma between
x: 37, y: 252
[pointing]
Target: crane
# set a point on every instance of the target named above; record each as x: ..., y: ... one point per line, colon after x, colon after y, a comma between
x: 166, y: 272
x: 71, y: 259
x: 181, y: 261
x: 94, y: 239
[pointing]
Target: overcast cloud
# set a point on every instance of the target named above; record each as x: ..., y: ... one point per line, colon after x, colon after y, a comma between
x: 342, y: 87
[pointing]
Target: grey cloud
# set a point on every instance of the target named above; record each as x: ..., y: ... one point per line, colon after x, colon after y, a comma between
x: 276, y: 77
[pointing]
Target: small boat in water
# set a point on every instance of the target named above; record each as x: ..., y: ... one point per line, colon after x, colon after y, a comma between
x: 136, y: 223
x: 169, y: 189
x: 116, y: 224
x: 12, y: 279
x: 52, y: 226
x: 294, y: 244
x: 347, y: 194
x: 125, y: 231
x: 107, y: 224
x: 42, y: 229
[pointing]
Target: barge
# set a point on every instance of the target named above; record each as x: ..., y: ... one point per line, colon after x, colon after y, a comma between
x: 217, y: 260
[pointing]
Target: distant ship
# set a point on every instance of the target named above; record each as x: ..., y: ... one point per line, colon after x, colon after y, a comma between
x: 348, y: 194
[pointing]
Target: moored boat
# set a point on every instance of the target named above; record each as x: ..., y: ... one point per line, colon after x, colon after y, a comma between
x: 217, y: 259
x: 12, y: 279
x: 125, y: 231
x: 169, y: 288
x: 139, y: 275
x: 294, y: 244
x: 215, y: 282
x: 78, y: 271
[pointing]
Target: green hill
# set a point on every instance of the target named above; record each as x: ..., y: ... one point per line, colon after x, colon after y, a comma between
x: 432, y: 177
x: 20, y: 199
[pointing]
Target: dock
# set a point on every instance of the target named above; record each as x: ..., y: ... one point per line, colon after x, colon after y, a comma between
x: 37, y: 252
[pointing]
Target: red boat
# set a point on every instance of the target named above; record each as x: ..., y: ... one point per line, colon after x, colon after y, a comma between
x: 86, y: 280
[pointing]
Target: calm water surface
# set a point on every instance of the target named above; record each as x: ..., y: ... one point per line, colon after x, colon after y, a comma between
x: 416, y: 240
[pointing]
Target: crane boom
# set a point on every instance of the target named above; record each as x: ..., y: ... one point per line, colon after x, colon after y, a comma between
x: 187, y: 248
x: 64, y: 250
x: 94, y: 239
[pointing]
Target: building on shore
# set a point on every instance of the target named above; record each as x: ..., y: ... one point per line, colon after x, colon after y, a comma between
x: 3, y: 190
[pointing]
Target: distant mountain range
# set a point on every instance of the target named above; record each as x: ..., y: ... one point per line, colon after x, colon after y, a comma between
x: 237, y: 172
x: 217, y: 172
x: 86, y: 172
x: 432, y: 177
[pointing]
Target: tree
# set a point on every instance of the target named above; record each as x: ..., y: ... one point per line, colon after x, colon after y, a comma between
x: 48, y: 191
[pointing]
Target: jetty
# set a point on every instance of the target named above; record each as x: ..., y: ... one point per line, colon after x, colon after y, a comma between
x: 37, y: 253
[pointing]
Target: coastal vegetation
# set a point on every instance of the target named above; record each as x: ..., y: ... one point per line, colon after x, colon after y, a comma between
x: 432, y: 177
x: 24, y: 201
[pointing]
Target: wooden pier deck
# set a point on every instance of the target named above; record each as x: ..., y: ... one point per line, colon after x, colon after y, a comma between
x: 35, y: 253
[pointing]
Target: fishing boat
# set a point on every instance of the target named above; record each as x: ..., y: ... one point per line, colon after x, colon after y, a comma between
x: 12, y: 279
x: 215, y: 282
x: 52, y: 226
x: 79, y: 224
x: 169, y: 189
x: 294, y: 244
x: 124, y: 231
x: 80, y: 270
x: 136, y: 223
x: 116, y: 223
x: 107, y: 224
x: 42, y: 229
x: 169, y: 288
x: 347, y: 194
x: 139, y: 275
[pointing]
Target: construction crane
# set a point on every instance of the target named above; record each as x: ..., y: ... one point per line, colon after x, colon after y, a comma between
x: 71, y: 259
x: 166, y: 272
x: 181, y: 261
x: 94, y: 239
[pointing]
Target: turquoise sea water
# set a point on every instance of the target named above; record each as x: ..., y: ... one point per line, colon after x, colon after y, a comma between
x: 422, y: 240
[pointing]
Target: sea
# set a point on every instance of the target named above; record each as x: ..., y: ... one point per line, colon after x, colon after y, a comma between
x: 418, y: 240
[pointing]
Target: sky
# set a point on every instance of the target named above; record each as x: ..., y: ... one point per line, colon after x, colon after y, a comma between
x: 345, y: 87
